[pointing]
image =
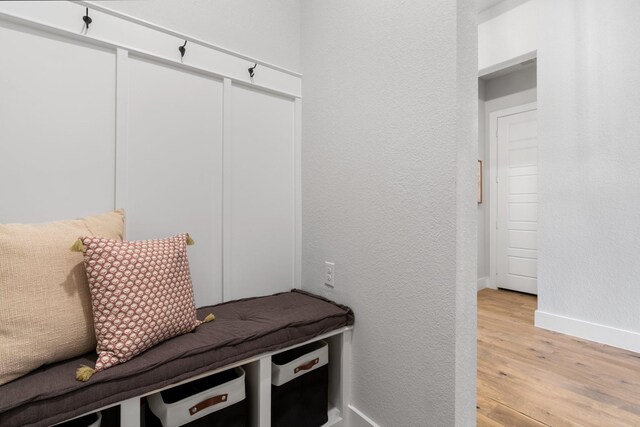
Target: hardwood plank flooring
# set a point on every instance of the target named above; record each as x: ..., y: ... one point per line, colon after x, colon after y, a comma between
x: 531, y: 377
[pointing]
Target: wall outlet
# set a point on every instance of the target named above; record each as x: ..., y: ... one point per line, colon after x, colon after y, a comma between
x: 329, y: 274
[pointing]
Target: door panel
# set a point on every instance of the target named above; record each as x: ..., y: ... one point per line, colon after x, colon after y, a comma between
x: 524, y: 157
x: 523, y: 239
x: 523, y: 266
x: 517, y: 213
x: 522, y: 130
x: 527, y: 184
x: 522, y: 212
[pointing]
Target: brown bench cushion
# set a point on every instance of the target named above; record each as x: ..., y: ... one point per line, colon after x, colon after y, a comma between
x: 242, y: 329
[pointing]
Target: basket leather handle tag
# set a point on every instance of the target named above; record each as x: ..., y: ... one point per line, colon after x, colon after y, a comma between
x: 307, y: 366
x: 206, y: 403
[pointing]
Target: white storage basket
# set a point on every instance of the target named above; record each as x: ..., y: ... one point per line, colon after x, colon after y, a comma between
x: 198, y: 405
x: 317, y: 358
x: 300, y: 386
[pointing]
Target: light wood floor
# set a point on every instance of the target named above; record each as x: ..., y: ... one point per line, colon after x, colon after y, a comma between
x: 533, y: 377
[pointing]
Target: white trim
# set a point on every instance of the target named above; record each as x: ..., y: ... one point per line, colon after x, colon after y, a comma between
x: 227, y: 137
x: 210, y: 73
x: 596, y: 332
x: 109, y: 11
x: 498, y: 9
x: 493, y: 175
x: 297, y: 181
x: 259, y: 391
x: 502, y: 66
x: 483, y: 282
x: 129, y: 410
x: 122, y: 102
x: 340, y: 354
x: 357, y: 418
x: 115, y: 30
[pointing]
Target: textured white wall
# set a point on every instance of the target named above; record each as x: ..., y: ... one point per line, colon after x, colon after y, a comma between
x: 266, y: 30
x: 589, y: 152
x: 388, y: 125
x: 466, y: 218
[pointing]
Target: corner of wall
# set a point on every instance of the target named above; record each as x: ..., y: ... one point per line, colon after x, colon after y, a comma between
x: 466, y: 212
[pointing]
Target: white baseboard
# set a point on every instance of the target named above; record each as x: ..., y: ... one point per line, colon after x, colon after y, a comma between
x: 483, y: 282
x: 358, y: 419
x: 590, y: 331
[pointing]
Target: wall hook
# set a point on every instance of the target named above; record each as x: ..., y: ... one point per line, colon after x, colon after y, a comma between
x: 87, y: 20
x: 251, y: 70
x: 182, y: 50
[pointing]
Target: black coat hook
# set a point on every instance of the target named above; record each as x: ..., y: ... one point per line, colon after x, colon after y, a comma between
x: 182, y: 50
x: 87, y: 20
x: 251, y: 70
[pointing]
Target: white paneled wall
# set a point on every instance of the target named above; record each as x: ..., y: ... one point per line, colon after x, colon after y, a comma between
x: 89, y: 123
x: 56, y: 102
x: 262, y: 205
x: 174, y: 165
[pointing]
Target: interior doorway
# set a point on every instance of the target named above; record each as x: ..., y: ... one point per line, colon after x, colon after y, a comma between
x: 507, y: 216
x: 514, y: 201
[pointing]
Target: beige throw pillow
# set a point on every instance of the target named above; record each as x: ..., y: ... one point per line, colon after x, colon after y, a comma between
x: 45, y: 307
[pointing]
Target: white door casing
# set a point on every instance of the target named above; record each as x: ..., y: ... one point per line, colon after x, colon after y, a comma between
x: 514, y: 199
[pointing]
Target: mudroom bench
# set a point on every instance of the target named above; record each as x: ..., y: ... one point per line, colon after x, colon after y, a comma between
x: 246, y: 334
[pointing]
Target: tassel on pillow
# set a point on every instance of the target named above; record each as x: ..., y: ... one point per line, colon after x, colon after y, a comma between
x: 77, y: 246
x: 83, y: 373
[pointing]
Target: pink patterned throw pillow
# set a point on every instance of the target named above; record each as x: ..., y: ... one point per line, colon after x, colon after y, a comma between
x: 141, y: 295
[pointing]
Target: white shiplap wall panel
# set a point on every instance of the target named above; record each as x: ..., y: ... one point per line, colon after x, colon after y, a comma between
x: 57, y: 127
x: 174, y: 165
x: 105, y: 118
x: 261, y: 215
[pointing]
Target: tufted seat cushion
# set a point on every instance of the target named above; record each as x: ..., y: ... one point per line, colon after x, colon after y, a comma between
x: 242, y: 329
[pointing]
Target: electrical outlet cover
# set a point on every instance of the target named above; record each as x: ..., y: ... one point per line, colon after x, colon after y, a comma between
x: 329, y: 274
